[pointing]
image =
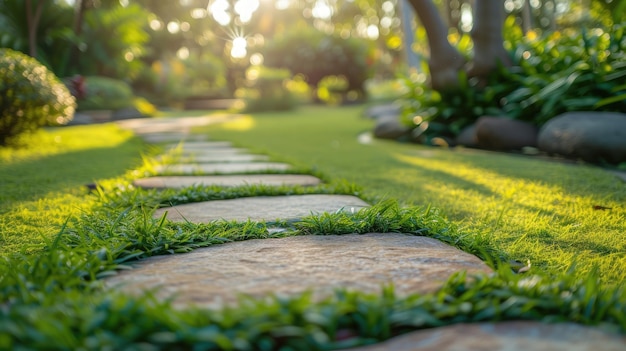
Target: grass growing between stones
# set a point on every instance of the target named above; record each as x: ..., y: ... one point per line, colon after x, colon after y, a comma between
x: 553, y: 214
x: 54, y: 298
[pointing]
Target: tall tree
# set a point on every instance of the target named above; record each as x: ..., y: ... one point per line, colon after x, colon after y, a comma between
x: 445, y: 61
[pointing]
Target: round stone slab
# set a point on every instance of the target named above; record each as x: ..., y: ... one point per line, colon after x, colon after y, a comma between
x: 214, y: 276
x: 261, y: 208
x: 227, y: 180
x: 209, y: 168
x: 505, y: 336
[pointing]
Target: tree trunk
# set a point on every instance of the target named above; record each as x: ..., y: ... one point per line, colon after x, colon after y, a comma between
x: 487, y: 37
x: 32, y: 20
x: 445, y: 61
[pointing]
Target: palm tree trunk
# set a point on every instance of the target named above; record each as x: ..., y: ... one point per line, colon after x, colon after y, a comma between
x: 32, y: 20
x: 445, y: 61
x: 487, y: 37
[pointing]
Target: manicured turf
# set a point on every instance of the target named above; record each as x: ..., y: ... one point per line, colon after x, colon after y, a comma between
x: 53, y: 297
x: 545, y: 212
x: 43, y: 184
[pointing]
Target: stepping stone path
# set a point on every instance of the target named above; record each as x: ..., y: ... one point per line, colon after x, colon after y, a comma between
x: 213, y: 277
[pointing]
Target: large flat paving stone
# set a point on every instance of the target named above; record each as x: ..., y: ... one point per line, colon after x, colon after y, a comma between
x: 261, y: 208
x: 223, y: 157
x: 202, y: 145
x: 505, y: 336
x: 182, y: 124
x: 227, y: 180
x: 166, y: 137
x: 214, y: 276
x: 211, y: 168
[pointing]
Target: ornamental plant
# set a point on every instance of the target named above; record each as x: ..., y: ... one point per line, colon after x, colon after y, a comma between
x: 31, y: 97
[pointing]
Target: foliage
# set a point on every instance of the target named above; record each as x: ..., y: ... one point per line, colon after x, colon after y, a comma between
x: 113, y: 40
x: 564, y: 71
x: 316, y: 55
x: 567, y: 72
x: 30, y: 96
x: 385, y: 90
x: 102, y: 93
x: 174, y: 80
x: 268, y: 90
x: 332, y: 89
x: 54, y: 36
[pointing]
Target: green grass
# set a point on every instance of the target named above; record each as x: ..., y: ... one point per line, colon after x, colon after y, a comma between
x: 532, y: 209
x: 59, y: 240
x: 43, y: 183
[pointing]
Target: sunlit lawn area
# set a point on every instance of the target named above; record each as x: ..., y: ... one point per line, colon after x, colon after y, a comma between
x: 43, y: 184
x: 536, y: 210
x: 52, y: 294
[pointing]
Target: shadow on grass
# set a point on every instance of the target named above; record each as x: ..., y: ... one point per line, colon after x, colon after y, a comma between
x: 32, y: 179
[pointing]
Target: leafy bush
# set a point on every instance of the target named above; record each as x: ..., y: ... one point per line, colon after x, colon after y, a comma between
x: 267, y: 91
x: 316, y: 55
x: 564, y: 71
x: 30, y: 96
x: 332, y: 89
x: 171, y: 81
x: 102, y: 93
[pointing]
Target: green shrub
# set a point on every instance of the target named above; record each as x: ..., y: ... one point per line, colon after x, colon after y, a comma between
x: 267, y: 90
x: 102, y: 93
x: 316, y: 55
x: 332, y: 89
x: 560, y: 72
x: 31, y: 96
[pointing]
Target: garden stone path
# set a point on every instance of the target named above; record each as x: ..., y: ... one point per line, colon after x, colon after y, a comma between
x: 212, y: 277
x: 227, y: 180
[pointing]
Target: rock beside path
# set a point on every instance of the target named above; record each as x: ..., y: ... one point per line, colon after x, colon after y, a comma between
x: 214, y: 276
x: 505, y: 336
x: 592, y: 136
x: 498, y: 133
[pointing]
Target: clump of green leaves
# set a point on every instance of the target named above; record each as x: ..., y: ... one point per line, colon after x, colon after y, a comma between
x: 31, y: 96
x: 268, y: 90
x: 552, y: 74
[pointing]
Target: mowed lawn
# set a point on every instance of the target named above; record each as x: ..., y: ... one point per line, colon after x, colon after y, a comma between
x: 560, y: 216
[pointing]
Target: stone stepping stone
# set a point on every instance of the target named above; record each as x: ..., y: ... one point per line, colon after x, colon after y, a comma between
x: 504, y: 336
x: 227, y: 180
x: 224, y: 157
x: 261, y: 208
x: 214, y: 276
x: 213, y: 152
x: 173, y: 124
x: 202, y: 145
x: 212, y: 168
x: 157, y: 138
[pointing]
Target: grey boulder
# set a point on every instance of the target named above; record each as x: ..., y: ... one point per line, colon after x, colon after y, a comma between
x: 592, y: 136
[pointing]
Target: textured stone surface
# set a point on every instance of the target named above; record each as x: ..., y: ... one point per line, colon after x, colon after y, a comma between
x: 173, y: 124
x: 202, y: 145
x: 390, y: 127
x: 261, y: 208
x: 223, y: 157
x: 505, y: 336
x: 495, y: 133
x: 227, y: 180
x: 591, y: 136
x: 166, y: 137
x: 215, y: 275
x: 210, y: 168
x: 214, y: 152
